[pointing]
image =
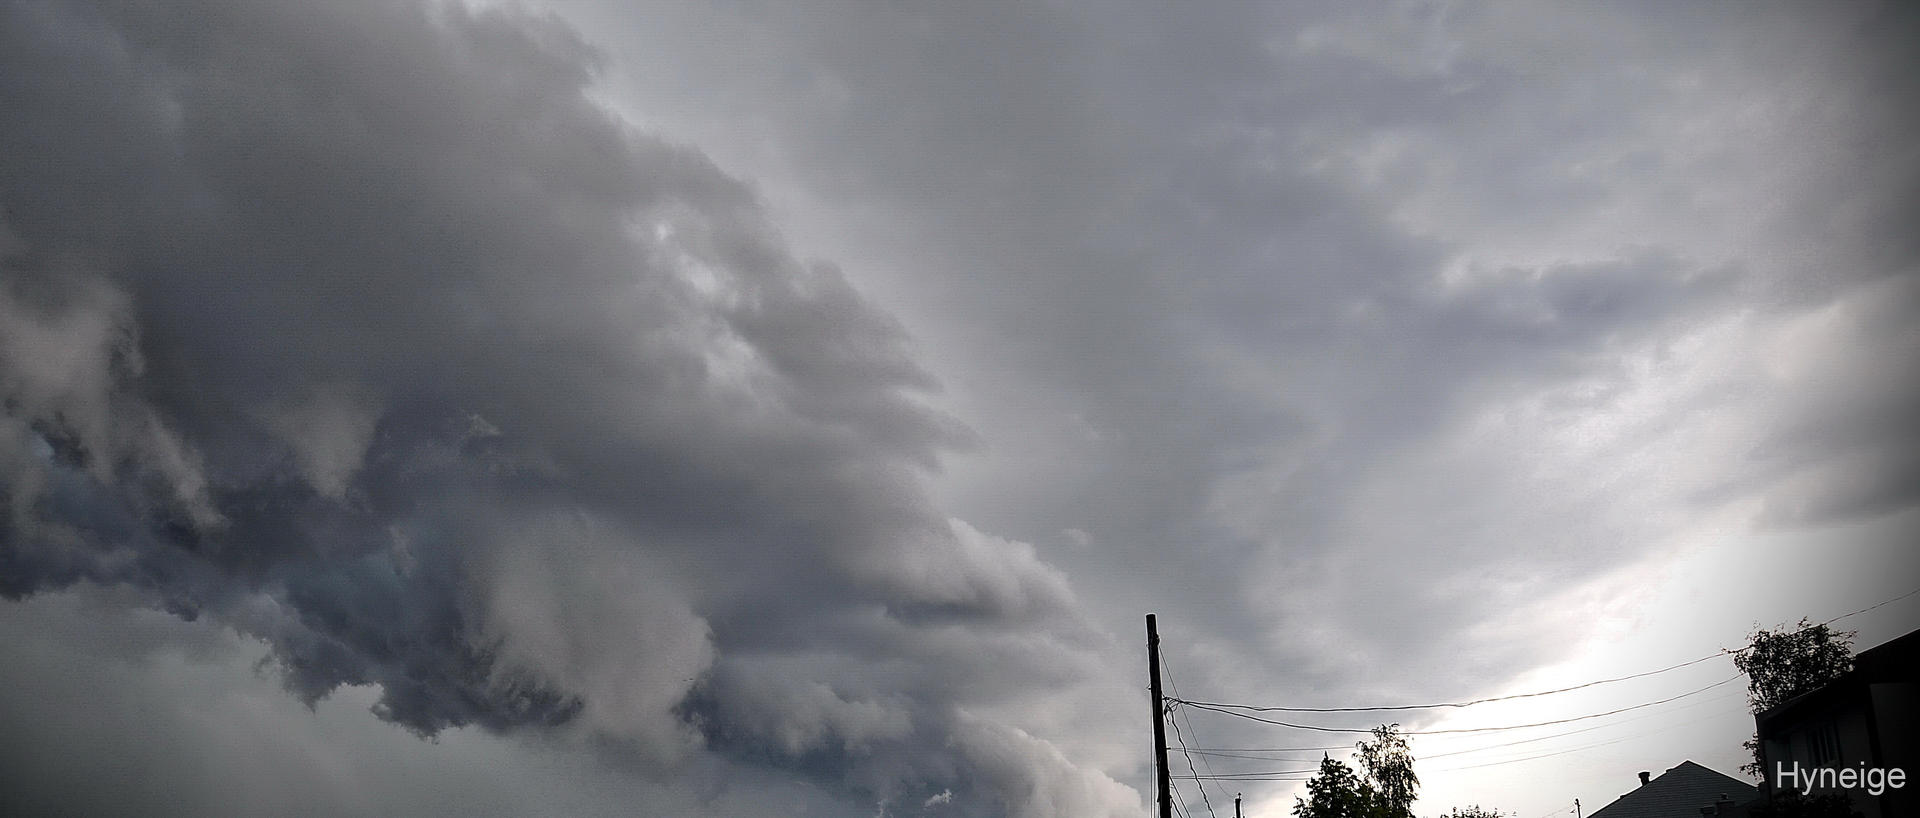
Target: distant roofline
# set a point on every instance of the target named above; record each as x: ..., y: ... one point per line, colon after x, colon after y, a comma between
x: 1627, y: 803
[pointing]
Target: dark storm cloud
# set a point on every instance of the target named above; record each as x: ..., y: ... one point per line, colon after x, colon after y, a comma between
x: 1356, y: 343
x: 359, y: 327
x: 1340, y: 333
x: 1371, y: 346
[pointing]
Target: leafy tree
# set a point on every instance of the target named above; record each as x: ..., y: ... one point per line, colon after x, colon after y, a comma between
x: 1389, y: 768
x: 1475, y: 811
x: 1783, y: 664
x: 1384, y: 787
x: 1335, y: 792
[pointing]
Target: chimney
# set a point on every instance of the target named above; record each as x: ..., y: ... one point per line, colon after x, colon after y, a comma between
x: 1645, y: 777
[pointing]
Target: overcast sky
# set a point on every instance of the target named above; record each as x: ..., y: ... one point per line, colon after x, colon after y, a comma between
x: 748, y: 408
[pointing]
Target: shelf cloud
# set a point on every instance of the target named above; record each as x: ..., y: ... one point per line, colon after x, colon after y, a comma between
x: 362, y: 329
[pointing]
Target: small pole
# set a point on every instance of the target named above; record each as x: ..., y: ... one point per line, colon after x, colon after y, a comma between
x: 1159, y: 723
x: 1236, y: 805
x: 1576, y: 808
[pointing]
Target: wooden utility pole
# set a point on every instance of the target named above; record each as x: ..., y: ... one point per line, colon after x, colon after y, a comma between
x: 1159, y: 723
x: 1236, y: 805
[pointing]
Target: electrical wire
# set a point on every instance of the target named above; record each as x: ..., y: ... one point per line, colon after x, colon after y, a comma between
x: 1267, y: 778
x: 1181, y: 738
x: 1324, y: 729
x: 1197, y: 778
x: 1219, y: 754
x: 1225, y: 753
x: 1272, y: 775
x: 1178, y: 800
x: 1490, y: 699
x: 1724, y: 697
x: 1869, y: 608
x: 1542, y: 755
x: 1292, y: 775
x: 1640, y: 735
x: 1246, y: 776
x: 1270, y: 749
x: 1268, y: 709
x: 1240, y: 752
x: 1264, y: 774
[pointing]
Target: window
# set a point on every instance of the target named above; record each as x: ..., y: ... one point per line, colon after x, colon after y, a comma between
x: 1823, y: 745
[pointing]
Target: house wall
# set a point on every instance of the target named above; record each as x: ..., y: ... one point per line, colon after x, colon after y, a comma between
x: 1872, y: 715
x: 1840, y: 734
x: 1896, y: 708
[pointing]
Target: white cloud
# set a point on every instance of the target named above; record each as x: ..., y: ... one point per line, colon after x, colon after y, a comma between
x: 571, y: 605
x: 328, y: 429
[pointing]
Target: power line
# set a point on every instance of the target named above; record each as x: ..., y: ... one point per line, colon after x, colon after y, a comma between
x: 1572, y: 732
x: 1233, y: 752
x: 1323, y: 729
x: 1289, y: 775
x: 1695, y: 691
x: 1653, y: 732
x: 1490, y: 699
x: 1252, y: 775
x: 1268, y: 709
x: 1178, y: 799
x: 1182, y: 739
x: 1270, y: 749
x: 1260, y: 778
x: 1276, y: 775
x: 1869, y: 608
x: 1196, y: 774
x: 1247, y: 776
x: 1240, y: 752
x: 1220, y: 754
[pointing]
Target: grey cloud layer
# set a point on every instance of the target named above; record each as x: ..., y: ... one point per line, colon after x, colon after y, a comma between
x: 1344, y: 339
x: 1375, y: 322
x: 360, y: 328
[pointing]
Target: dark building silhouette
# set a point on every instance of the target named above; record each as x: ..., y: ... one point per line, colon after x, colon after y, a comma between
x: 1685, y: 791
x: 1866, y: 719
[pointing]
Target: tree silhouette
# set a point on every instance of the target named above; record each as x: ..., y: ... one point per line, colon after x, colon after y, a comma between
x: 1389, y: 768
x: 1384, y: 787
x: 1783, y: 664
x: 1335, y: 792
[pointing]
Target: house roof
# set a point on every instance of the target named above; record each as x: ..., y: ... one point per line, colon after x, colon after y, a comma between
x: 1678, y: 793
x: 1894, y: 659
